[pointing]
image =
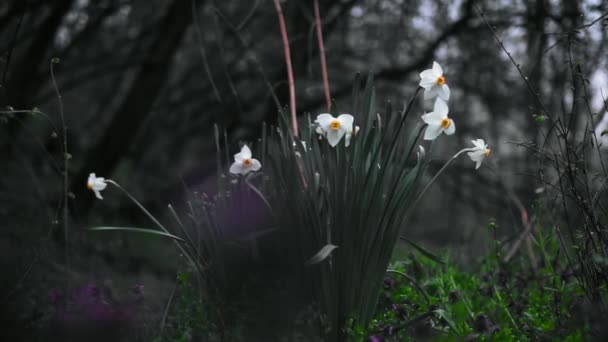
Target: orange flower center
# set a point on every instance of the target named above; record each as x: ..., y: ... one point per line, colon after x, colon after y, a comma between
x: 89, y: 185
x: 335, y: 125
x: 488, y: 152
x: 247, y: 162
x: 441, y: 80
x: 445, y: 123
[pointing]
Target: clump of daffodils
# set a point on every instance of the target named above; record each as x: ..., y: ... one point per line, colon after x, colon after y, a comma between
x: 435, y: 86
x: 334, y: 129
x: 244, y: 162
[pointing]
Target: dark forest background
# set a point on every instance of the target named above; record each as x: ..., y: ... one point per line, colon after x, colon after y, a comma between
x: 143, y: 83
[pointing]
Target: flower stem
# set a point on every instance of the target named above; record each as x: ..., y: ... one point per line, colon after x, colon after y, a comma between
x: 428, y: 185
x: 292, y: 91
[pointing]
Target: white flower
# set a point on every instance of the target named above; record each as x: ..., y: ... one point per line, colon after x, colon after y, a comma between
x: 479, y: 152
x: 334, y: 128
x: 438, y: 121
x: 434, y: 83
x: 350, y: 134
x: 243, y: 163
x: 96, y: 184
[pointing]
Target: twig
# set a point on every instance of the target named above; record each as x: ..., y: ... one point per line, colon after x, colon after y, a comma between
x: 521, y: 73
x: 292, y: 92
x: 199, y: 37
x: 66, y: 164
x: 10, y: 51
x: 322, y: 55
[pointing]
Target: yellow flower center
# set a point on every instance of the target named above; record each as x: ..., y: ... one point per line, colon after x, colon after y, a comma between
x: 445, y: 123
x: 488, y: 152
x: 334, y: 125
x: 247, y: 162
x: 440, y: 80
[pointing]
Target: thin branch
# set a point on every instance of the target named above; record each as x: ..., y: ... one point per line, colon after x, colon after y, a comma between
x: 292, y: 92
x: 66, y: 164
x: 322, y: 54
x: 199, y: 37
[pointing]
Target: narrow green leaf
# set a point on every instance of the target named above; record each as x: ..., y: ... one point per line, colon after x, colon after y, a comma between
x: 322, y: 254
x: 138, y: 230
x: 423, y: 251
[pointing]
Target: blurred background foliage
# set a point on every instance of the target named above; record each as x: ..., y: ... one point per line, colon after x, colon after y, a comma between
x: 143, y: 83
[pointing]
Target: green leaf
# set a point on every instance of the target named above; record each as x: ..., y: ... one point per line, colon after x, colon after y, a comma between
x: 423, y: 251
x: 322, y: 254
x: 138, y: 230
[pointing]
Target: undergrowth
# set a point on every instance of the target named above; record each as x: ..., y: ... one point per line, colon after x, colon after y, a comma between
x: 489, y: 301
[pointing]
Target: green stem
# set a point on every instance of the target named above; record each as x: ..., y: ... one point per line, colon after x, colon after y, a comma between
x: 428, y: 185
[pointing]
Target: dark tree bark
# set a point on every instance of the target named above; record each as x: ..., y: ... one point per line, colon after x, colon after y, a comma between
x: 23, y: 80
x: 105, y: 156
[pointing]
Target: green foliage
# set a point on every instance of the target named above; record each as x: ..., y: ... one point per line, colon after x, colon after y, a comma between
x: 492, y: 302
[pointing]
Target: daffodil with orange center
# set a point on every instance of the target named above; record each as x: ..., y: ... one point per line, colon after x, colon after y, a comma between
x: 438, y: 121
x: 244, y: 163
x: 434, y: 83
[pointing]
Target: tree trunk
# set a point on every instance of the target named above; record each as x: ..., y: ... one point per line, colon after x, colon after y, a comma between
x: 105, y: 156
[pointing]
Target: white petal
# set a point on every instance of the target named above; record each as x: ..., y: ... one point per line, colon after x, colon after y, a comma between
x: 444, y: 92
x: 437, y: 68
x: 346, y: 121
x: 432, y: 118
x: 430, y: 93
x: 236, y: 168
x: 450, y: 130
x: 432, y: 132
x: 347, y: 138
x: 255, y: 165
x: 99, y: 184
x: 334, y: 137
x: 441, y: 108
x: 478, y: 164
x: 428, y: 78
x: 476, y: 155
x: 324, y: 120
x: 245, y: 152
x: 479, y: 143
x: 97, y: 194
x: 239, y: 157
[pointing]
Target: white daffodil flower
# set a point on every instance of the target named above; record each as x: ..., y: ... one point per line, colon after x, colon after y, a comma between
x: 334, y: 128
x: 434, y: 83
x: 479, y: 152
x: 350, y: 134
x: 243, y: 163
x: 438, y: 121
x: 96, y: 184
